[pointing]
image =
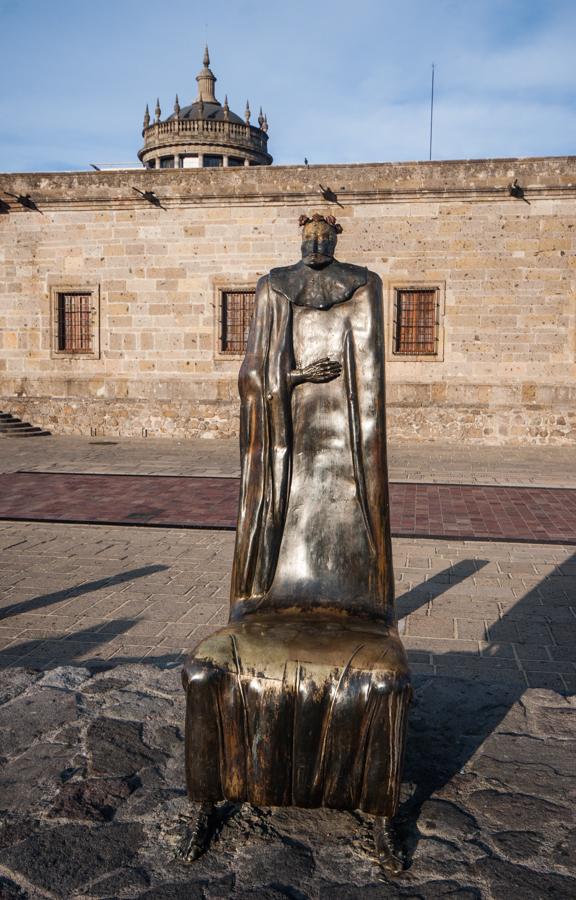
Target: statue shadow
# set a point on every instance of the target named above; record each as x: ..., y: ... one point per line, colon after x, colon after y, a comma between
x: 455, y: 712
x: 69, y: 648
x: 42, y: 654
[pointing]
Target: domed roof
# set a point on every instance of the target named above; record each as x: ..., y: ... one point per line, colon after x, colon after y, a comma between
x: 205, y: 122
x: 198, y: 110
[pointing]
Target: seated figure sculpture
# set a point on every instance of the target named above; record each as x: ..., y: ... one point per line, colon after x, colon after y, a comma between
x: 302, y: 698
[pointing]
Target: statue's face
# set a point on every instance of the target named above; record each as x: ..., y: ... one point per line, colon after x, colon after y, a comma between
x: 318, y: 244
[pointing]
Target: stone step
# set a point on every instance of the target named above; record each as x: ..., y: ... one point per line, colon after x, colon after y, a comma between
x: 29, y: 432
x: 12, y: 426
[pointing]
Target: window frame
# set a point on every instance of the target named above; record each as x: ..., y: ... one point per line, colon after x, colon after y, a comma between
x: 185, y: 156
x: 221, y: 289
x: 92, y: 290
x: 213, y: 164
x: 394, y: 289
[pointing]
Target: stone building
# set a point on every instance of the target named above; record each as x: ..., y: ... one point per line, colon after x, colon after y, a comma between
x: 126, y: 295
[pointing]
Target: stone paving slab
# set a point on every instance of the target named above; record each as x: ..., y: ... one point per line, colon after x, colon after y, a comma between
x: 93, y: 805
x: 413, y: 461
x: 472, y: 511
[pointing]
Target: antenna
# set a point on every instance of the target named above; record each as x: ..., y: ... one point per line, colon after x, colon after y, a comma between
x: 431, y: 111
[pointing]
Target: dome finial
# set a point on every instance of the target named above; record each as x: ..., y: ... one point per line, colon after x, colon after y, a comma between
x: 146, y: 117
x: 265, y: 125
x: 206, y: 81
x: 226, y: 108
x: 247, y: 113
x: 158, y: 111
x: 177, y: 107
x: 260, y: 118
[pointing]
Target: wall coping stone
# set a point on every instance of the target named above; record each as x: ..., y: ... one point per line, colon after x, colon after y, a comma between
x: 486, y: 179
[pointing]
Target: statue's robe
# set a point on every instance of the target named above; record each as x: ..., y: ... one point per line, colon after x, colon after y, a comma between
x: 313, y: 524
x: 302, y: 698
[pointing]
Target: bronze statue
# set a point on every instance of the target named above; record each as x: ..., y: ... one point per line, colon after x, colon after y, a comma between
x: 302, y: 698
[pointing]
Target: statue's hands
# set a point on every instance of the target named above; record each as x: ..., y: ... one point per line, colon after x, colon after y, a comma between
x: 317, y: 372
x: 322, y: 370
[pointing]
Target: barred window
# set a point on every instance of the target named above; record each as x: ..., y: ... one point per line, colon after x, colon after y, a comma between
x: 236, y: 308
x: 75, y: 320
x: 416, y: 321
x: 74, y: 323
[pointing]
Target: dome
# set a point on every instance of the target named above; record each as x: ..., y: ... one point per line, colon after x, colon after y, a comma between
x: 198, y: 110
x: 205, y: 133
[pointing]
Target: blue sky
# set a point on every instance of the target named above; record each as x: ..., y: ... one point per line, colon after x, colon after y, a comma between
x: 340, y: 81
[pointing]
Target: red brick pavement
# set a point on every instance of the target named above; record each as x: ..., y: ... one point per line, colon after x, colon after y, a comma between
x: 418, y: 510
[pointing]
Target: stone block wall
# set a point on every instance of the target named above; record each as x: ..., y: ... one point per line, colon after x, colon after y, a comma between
x: 506, y: 371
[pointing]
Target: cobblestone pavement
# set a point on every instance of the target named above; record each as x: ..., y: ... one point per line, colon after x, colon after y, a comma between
x: 427, y: 462
x: 93, y: 803
x: 439, y: 510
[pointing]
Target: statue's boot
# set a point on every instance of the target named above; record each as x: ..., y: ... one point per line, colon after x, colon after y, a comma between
x: 199, y: 833
x: 385, y: 840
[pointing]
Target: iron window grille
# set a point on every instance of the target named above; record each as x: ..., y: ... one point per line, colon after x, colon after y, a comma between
x: 74, y: 323
x: 416, y: 321
x: 236, y: 309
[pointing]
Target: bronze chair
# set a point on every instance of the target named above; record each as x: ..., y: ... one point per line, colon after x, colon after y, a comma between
x: 302, y: 698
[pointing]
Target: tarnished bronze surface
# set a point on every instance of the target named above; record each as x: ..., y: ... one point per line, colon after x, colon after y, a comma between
x: 302, y: 698
x: 300, y: 709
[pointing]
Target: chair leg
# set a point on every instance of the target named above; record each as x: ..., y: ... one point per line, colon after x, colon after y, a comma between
x: 199, y: 832
x: 386, y: 846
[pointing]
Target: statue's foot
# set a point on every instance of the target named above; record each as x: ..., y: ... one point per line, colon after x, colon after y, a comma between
x: 385, y: 839
x: 199, y: 833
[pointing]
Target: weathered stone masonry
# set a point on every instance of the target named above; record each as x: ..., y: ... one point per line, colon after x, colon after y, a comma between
x: 505, y: 267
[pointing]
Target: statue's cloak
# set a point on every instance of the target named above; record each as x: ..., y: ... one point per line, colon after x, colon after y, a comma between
x: 266, y: 427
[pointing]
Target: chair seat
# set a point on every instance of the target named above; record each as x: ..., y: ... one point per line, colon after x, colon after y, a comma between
x: 267, y: 645
x: 297, y: 710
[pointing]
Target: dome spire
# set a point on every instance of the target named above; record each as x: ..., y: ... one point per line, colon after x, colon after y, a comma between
x: 206, y: 81
x: 177, y: 107
x: 146, y: 117
x: 247, y: 113
x: 158, y: 111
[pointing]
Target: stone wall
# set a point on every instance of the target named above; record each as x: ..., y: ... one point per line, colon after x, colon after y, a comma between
x: 505, y: 269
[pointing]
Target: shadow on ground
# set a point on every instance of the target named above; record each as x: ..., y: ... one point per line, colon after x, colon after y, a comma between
x: 88, y: 587
x: 456, y: 718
